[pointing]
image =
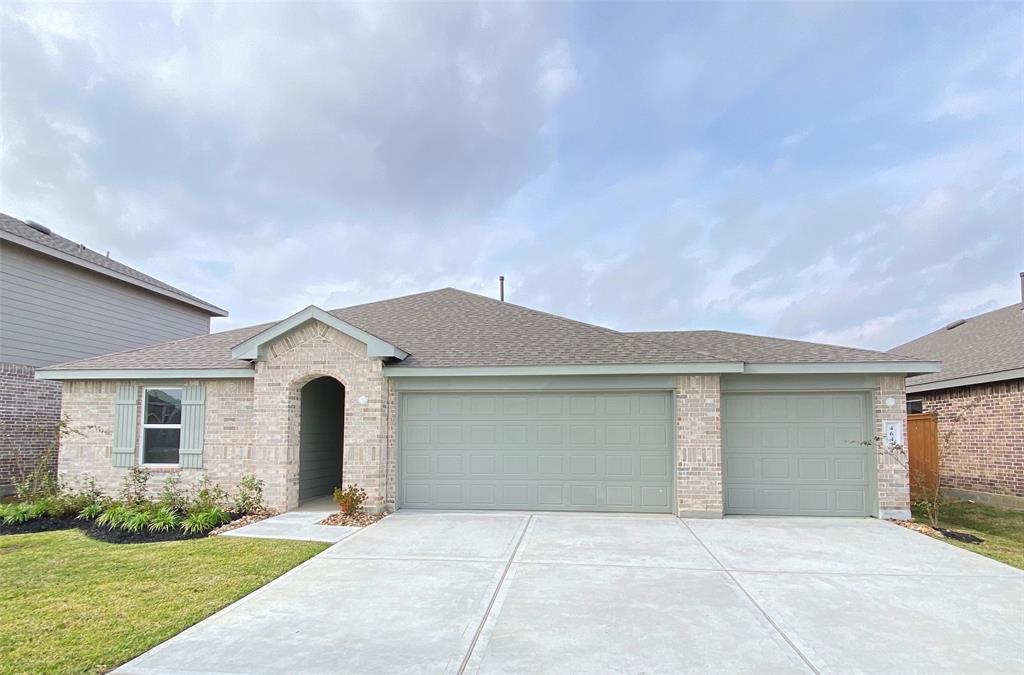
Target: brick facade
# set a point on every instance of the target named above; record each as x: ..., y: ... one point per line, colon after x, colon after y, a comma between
x: 252, y: 425
x: 304, y: 354
x: 893, y: 473
x: 985, y: 451
x: 699, y: 446
x: 29, y: 413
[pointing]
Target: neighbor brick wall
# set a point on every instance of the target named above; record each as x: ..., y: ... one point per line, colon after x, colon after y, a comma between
x: 29, y: 413
x: 699, y: 446
x: 984, y: 450
x: 893, y: 474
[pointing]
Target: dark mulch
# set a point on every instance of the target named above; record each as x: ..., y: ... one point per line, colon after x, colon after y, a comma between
x: 965, y: 537
x: 112, y: 536
x: 98, y: 532
x: 40, y: 525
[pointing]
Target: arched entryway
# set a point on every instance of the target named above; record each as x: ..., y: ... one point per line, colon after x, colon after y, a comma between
x: 321, y: 437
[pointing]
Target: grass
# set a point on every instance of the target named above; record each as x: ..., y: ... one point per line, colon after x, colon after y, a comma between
x: 69, y: 604
x: 1002, y: 529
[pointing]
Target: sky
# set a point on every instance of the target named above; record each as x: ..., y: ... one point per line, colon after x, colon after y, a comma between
x: 850, y: 173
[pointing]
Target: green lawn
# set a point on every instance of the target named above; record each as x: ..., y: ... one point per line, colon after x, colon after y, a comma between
x: 72, y: 604
x: 1002, y: 530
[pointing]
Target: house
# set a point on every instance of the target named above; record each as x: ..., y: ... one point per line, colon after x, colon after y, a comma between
x: 60, y: 301
x: 451, y: 400
x: 980, y: 391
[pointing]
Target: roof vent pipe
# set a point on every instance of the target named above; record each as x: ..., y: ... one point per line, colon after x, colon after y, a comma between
x: 1022, y: 290
x: 501, y: 285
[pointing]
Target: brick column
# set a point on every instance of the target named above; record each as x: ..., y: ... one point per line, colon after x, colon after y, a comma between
x: 893, y: 474
x: 698, y: 446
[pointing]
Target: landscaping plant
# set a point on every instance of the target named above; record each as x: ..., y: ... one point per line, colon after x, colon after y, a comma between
x: 249, y: 499
x: 204, y: 520
x: 133, y: 485
x: 164, y: 520
x: 350, y: 499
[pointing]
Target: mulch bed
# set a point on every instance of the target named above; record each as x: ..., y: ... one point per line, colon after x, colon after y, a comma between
x: 354, y: 520
x: 117, y: 536
x: 112, y: 536
x: 937, y: 532
x: 40, y: 525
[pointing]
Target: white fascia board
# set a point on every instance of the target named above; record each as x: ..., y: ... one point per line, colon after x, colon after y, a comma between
x: 966, y: 381
x: 375, y: 347
x: 568, y: 369
x: 147, y: 374
x: 879, y: 367
x: 114, y: 274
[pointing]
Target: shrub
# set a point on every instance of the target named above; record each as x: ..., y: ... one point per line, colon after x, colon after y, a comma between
x: 133, y: 486
x: 90, y: 511
x: 208, y: 495
x: 204, y: 520
x: 41, y: 480
x: 350, y: 499
x: 164, y: 519
x: 54, y: 507
x: 172, y: 496
x: 250, y: 495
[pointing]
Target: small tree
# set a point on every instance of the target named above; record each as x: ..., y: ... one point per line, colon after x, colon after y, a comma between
x: 41, y: 479
x: 928, y: 498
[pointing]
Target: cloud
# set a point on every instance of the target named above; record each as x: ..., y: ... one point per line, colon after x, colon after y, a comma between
x: 620, y: 164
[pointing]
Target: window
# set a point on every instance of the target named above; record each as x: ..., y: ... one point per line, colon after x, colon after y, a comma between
x: 915, y: 406
x: 161, y: 426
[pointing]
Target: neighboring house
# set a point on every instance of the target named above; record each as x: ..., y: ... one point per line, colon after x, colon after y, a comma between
x: 62, y: 301
x: 452, y: 400
x: 981, y: 388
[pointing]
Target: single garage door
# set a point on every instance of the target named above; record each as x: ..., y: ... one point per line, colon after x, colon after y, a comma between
x: 797, y: 454
x: 577, y: 451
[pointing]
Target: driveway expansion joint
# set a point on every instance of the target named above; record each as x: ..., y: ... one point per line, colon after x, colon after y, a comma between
x: 494, y: 596
x: 750, y: 597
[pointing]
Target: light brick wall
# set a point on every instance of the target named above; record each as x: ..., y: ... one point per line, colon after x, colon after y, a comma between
x: 985, y: 450
x: 311, y: 351
x: 29, y: 413
x: 227, y: 451
x: 699, y: 446
x: 893, y: 474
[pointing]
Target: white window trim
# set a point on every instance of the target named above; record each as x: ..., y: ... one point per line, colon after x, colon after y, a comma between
x: 144, y: 426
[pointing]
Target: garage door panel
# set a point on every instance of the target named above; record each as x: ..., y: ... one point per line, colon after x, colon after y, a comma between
x: 796, y: 454
x: 559, y: 451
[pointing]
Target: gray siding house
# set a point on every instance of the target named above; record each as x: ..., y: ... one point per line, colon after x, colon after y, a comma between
x: 451, y: 400
x: 61, y: 301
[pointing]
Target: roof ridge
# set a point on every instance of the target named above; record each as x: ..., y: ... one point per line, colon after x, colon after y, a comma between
x: 782, y: 339
x: 577, y: 322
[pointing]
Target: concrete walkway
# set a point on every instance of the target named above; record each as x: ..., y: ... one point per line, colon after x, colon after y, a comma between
x: 545, y: 593
x: 301, y: 524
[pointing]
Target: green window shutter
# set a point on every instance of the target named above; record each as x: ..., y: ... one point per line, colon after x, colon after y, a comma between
x: 125, y: 414
x: 193, y: 418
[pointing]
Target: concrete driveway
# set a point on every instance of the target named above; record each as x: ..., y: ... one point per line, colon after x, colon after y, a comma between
x: 545, y: 593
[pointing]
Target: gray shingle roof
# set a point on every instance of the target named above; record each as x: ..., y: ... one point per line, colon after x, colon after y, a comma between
x: 59, y: 244
x: 760, y: 349
x: 982, y: 345
x: 452, y: 328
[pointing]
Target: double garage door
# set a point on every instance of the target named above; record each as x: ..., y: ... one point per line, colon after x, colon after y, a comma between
x: 783, y: 453
x: 553, y: 451
x: 799, y: 454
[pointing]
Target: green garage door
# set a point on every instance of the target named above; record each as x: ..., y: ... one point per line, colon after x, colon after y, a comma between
x: 797, y: 454
x: 577, y: 451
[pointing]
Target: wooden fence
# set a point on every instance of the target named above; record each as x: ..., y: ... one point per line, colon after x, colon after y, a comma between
x: 923, y: 449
